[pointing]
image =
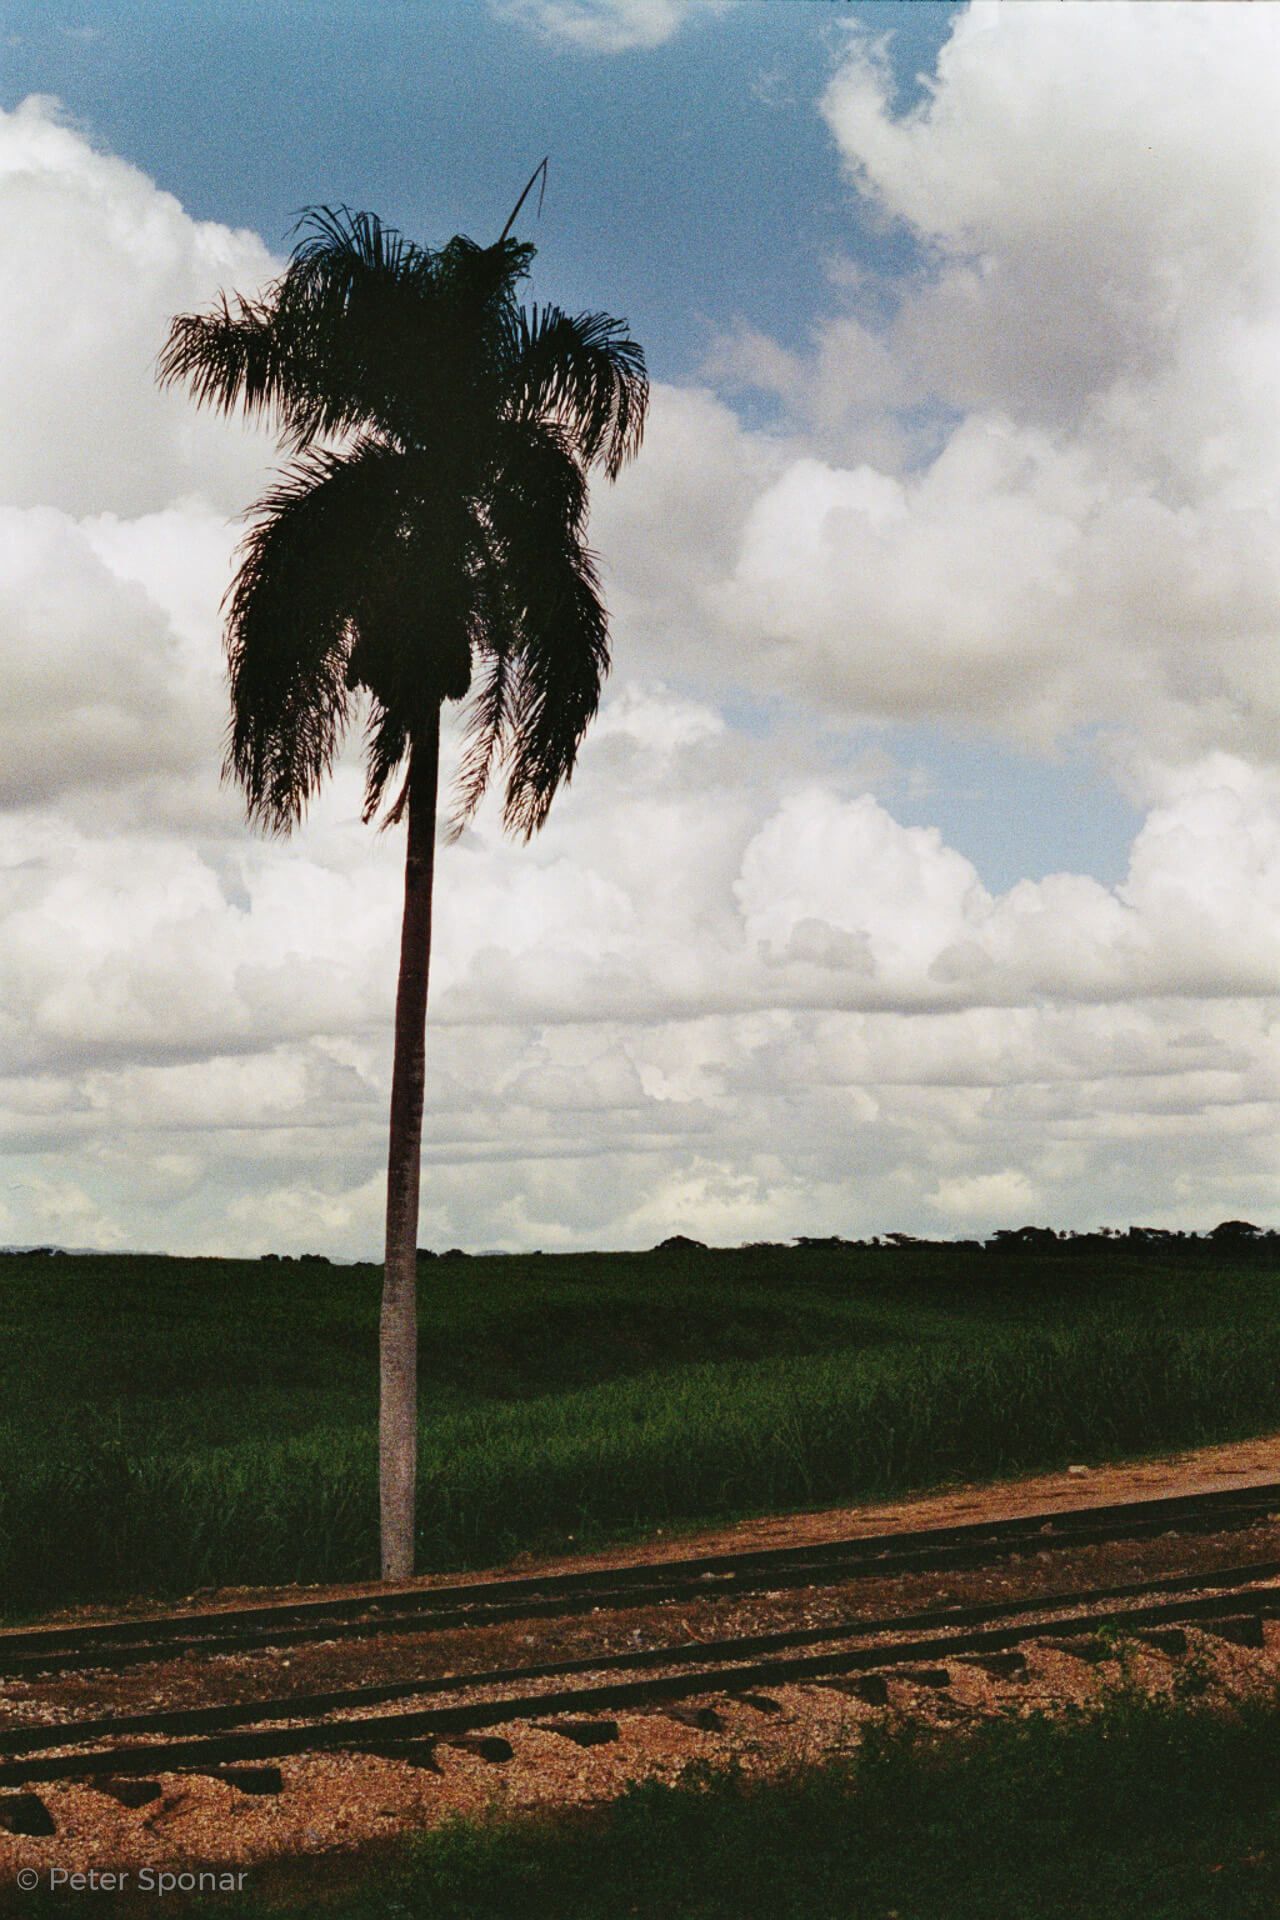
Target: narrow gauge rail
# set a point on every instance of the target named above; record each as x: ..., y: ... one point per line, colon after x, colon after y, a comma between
x: 130, y: 1641
x: 1231, y: 1602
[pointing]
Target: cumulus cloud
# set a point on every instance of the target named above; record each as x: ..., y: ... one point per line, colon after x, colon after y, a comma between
x: 94, y: 262
x: 112, y: 682
x: 727, y: 992
x: 1098, y: 189
x: 670, y: 530
x: 602, y: 26
x: 114, y: 497
x: 804, y: 1016
x: 1042, y: 494
x: 1013, y: 585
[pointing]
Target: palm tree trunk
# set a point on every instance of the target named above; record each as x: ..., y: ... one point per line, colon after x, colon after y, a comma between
x: 398, y: 1423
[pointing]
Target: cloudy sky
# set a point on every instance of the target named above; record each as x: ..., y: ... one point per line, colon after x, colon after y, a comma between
x: 923, y: 870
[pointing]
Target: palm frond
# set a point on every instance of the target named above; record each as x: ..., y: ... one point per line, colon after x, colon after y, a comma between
x: 356, y: 303
x: 336, y: 241
x: 234, y: 357
x: 537, y: 488
x: 387, y: 743
x: 585, y: 372
x: 486, y: 732
x: 358, y: 330
x: 481, y: 276
x: 539, y: 628
x: 562, y: 666
x: 307, y: 576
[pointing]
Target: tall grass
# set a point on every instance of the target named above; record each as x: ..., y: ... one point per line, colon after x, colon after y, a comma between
x: 100, y: 1507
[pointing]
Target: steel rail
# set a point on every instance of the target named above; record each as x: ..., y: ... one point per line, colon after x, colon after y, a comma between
x: 298, y: 1705
x: 721, y: 1667
x: 127, y: 1641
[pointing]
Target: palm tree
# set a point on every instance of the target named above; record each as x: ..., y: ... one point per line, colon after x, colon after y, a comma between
x: 425, y: 542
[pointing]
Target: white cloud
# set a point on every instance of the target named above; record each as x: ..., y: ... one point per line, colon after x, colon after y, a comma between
x: 727, y: 992
x: 1044, y: 495
x: 987, y: 1200
x: 112, y: 677
x: 849, y: 392
x: 843, y: 886
x: 603, y: 26
x: 94, y: 262
x: 670, y: 529
x: 1099, y: 187
x: 114, y: 497
x: 796, y: 1013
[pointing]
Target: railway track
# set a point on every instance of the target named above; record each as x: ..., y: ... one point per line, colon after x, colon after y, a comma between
x: 130, y: 1641
x: 410, y: 1717
x: 1231, y: 1603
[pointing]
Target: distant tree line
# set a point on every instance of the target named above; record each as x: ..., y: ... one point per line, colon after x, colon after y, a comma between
x: 1229, y: 1236
x: 1234, y: 1236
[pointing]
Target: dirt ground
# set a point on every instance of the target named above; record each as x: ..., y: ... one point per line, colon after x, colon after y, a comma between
x: 332, y: 1804
x: 1200, y: 1470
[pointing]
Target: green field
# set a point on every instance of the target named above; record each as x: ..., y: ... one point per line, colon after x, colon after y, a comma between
x: 172, y: 1424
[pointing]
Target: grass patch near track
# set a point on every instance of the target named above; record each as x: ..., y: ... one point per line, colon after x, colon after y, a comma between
x: 1160, y: 1811
x: 1135, y: 1809
x: 172, y: 1424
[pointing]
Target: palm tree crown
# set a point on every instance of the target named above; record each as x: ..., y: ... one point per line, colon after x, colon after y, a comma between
x: 427, y: 539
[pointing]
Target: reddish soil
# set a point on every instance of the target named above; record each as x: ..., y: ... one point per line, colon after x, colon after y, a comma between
x: 341, y: 1802
x: 325, y: 1665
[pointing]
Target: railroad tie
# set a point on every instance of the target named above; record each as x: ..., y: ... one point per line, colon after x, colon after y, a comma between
x: 873, y: 1688
x: 1241, y: 1629
x: 583, y: 1733
x: 1000, y: 1666
x: 924, y: 1676
x: 705, y: 1719
x: 486, y: 1746
x: 1080, y: 1646
x: 26, y: 1813
x: 255, y: 1780
x: 1170, y: 1640
x: 126, y: 1790
x: 414, y: 1753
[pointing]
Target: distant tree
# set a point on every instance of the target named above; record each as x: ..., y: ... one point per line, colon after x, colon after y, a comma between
x: 427, y: 541
x: 1010, y: 1239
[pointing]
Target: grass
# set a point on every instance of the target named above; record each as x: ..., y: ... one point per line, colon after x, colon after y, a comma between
x: 170, y: 1424
x: 1137, y: 1808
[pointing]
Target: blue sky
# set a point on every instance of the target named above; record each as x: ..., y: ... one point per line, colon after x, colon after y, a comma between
x: 693, y: 186
x: 922, y: 871
x: 691, y: 183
